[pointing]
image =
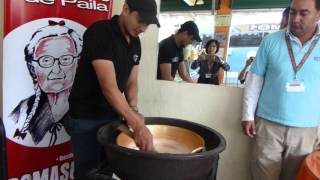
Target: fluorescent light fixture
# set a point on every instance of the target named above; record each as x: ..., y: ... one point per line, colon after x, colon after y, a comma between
x: 194, y: 2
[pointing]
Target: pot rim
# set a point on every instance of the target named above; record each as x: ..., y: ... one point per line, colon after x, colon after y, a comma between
x: 215, y: 151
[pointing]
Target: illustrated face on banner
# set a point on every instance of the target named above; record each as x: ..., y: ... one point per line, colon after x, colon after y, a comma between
x: 50, y: 57
x: 55, y: 67
x: 42, y: 41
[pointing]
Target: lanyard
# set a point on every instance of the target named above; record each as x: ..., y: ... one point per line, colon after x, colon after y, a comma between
x: 296, y: 67
x: 213, y: 61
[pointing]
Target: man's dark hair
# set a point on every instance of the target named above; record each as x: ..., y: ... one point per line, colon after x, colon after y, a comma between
x: 191, y: 28
x: 131, y: 9
x: 286, y: 12
x: 212, y: 41
x: 184, y: 30
x: 318, y: 4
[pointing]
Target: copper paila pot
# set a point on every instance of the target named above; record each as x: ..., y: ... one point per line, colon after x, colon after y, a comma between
x: 168, y: 139
x: 130, y: 164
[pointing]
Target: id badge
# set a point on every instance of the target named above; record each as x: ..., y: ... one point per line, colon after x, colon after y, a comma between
x: 295, y: 86
x: 208, y: 75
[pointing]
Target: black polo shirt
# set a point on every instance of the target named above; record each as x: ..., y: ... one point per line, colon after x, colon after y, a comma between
x: 102, y: 40
x: 169, y: 52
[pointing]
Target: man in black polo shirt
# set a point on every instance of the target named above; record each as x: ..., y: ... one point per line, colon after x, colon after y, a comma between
x: 108, y: 68
x: 170, y: 58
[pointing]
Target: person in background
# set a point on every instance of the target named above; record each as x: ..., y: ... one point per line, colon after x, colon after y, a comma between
x: 285, y: 18
x: 210, y: 64
x: 244, y: 72
x: 281, y: 96
x: 105, y: 86
x: 170, y: 56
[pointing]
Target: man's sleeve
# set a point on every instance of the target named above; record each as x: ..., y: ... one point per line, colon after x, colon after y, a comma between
x: 97, y: 43
x: 163, y: 56
x: 254, y: 82
x: 259, y: 64
x: 138, y: 51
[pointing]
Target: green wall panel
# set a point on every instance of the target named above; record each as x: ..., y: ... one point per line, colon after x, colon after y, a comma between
x: 180, y: 5
x: 259, y: 4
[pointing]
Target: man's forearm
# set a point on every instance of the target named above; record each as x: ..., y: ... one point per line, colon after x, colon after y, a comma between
x: 132, y: 95
x: 167, y: 78
x: 131, y: 92
x: 132, y: 100
x: 187, y: 78
x: 107, y: 79
x: 165, y: 72
x: 243, y: 73
x: 184, y: 73
x: 121, y: 106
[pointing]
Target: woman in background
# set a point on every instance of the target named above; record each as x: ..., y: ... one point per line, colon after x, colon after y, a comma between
x: 210, y: 64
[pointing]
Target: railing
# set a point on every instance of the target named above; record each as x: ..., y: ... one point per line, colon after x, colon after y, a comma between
x: 231, y: 79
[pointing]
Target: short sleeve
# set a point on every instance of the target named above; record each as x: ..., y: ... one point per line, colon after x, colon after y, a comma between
x: 163, y: 55
x: 136, y: 51
x: 181, y: 57
x: 98, y: 42
x: 259, y: 64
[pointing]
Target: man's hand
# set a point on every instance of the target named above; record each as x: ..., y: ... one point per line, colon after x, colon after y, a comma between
x: 143, y: 138
x: 202, y: 57
x: 194, y: 81
x: 249, y: 61
x: 249, y: 128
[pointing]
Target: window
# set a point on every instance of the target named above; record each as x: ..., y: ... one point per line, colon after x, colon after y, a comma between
x: 248, y: 28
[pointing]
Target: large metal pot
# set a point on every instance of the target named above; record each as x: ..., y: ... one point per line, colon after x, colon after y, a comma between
x: 130, y: 164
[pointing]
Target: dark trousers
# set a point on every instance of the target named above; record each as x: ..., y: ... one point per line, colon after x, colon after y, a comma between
x: 88, y: 153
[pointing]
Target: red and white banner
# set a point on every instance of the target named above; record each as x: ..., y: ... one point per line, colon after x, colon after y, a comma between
x: 41, y: 48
